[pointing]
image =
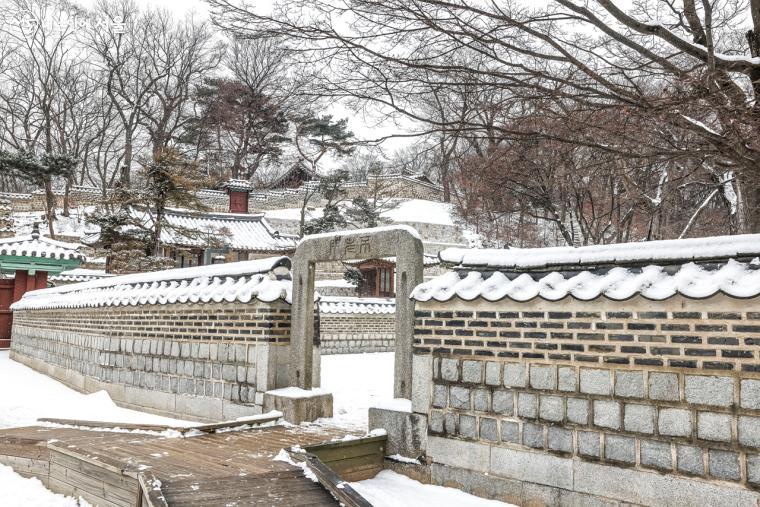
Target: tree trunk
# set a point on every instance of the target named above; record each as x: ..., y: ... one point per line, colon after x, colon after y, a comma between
x: 751, y: 194
x: 49, y: 206
x: 66, y: 193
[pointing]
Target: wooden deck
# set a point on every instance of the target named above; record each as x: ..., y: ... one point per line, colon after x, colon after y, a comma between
x: 221, y: 468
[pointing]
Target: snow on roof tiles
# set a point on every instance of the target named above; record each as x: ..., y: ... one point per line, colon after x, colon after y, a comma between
x: 677, y: 251
x: 233, y: 282
x: 241, y: 231
x: 733, y: 278
x: 40, y: 246
x: 352, y: 305
x: 79, y: 275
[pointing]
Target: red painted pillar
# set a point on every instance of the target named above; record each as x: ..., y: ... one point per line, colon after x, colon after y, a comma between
x: 19, y: 286
x: 41, y: 280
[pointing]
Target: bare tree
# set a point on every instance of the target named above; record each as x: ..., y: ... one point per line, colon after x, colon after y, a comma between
x: 685, y: 74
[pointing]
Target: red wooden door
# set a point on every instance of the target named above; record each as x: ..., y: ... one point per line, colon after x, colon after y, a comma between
x: 6, y: 298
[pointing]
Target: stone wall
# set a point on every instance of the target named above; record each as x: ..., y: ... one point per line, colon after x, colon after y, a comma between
x: 357, y: 333
x: 199, y: 361
x: 653, y: 403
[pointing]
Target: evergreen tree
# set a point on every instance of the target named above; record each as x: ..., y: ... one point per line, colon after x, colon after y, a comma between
x: 131, y: 222
x: 367, y: 211
x: 332, y: 189
x: 6, y: 218
x: 39, y: 171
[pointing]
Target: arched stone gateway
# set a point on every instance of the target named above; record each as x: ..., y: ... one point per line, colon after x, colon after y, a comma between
x: 400, y: 241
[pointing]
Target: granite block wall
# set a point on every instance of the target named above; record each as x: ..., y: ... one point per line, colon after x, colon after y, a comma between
x: 198, y: 361
x: 557, y: 396
x: 357, y: 333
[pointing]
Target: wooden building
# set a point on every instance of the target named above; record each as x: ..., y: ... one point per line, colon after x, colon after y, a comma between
x: 25, y: 263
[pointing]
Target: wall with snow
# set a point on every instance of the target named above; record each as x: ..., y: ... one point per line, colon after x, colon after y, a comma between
x: 352, y: 325
x: 204, y: 361
x: 573, y: 402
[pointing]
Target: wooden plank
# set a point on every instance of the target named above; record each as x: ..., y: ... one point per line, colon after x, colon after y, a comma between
x: 253, y: 421
x: 345, y: 452
x: 109, y: 425
x: 64, y: 488
x: 32, y: 451
x: 362, y: 466
x: 331, y: 481
x: 26, y: 466
x: 337, y: 444
x: 94, y: 486
x: 150, y: 487
x: 82, y: 455
x: 102, y: 474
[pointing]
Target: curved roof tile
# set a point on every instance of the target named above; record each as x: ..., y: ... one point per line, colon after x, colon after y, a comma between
x: 735, y: 279
x: 235, y: 282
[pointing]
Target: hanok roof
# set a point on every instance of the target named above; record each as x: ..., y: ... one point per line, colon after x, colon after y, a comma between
x: 263, y: 279
x: 35, y: 252
x: 294, y: 177
x: 246, y: 232
x: 427, y: 261
x: 239, y: 185
x: 657, y: 270
x: 77, y: 275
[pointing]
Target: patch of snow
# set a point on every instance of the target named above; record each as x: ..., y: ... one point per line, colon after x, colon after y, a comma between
x: 259, y: 417
x: 420, y: 211
x: 35, y: 395
x: 396, y: 404
x: 357, y: 232
x: 357, y: 382
x: 20, y: 491
x: 335, y: 283
x: 297, y: 392
x: 284, y: 456
x: 293, y: 213
x: 685, y: 250
x: 391, y: 489
x: 404, y: 459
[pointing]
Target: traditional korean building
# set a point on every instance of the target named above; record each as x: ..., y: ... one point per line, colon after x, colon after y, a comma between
x: 197, y: 238
x: 294, y: 178
x: 25, y: 263
x: 379, y: 275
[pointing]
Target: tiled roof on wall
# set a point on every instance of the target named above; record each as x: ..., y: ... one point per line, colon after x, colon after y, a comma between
x: 263, y: 279
x: 733, y: 278
x: 35, y: 245
x: 353, y: 305
x: 667, y: 252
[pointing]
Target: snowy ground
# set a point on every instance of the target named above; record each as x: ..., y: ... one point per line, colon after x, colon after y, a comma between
x: 28, y: 395
x: 18, y: 491
x: 390, y: 489
x: 357, y: 381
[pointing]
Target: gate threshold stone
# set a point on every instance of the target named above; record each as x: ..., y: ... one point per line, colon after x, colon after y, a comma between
x: 299, y: 405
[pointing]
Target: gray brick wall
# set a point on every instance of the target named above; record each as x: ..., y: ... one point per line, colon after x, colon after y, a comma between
x: 529, y: 377
x: 229, y: 353
x: 357, y: 333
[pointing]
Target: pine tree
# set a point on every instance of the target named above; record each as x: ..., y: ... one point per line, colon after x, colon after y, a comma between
x: 6, y: 218
x: 332, y: 189
x: 39, y: 171
x: 367, y: 211
x: 132, y: 220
